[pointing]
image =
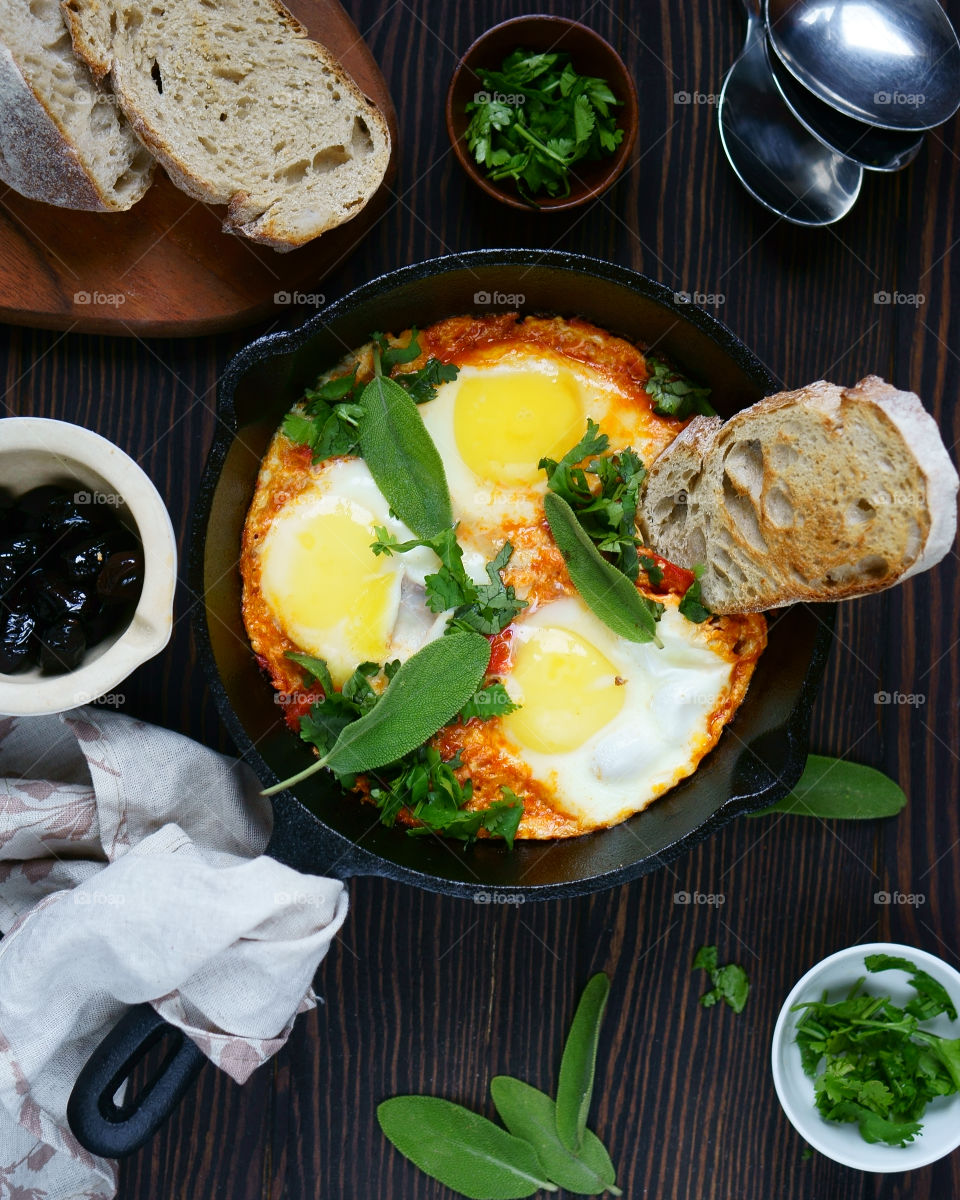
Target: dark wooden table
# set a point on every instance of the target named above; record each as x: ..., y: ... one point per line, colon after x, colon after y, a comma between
x: 422, y: 993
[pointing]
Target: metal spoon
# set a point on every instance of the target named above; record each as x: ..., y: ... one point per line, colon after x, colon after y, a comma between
x: 780, y: 164
x: 894, y: 63
x: 875, y: 149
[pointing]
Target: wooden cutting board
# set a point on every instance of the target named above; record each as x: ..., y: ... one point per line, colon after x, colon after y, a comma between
x: 164, y: 268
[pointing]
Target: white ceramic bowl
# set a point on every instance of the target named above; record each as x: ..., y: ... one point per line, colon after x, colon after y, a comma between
x: 35, y: 451
x: 842, y: 1142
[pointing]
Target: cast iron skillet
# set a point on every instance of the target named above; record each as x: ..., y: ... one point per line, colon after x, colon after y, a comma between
x: 759, y: 757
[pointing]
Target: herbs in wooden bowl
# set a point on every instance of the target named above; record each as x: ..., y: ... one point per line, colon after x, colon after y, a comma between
x: 542, y: 113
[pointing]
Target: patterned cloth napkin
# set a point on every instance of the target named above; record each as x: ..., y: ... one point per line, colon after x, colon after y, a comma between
x: 132, y: 869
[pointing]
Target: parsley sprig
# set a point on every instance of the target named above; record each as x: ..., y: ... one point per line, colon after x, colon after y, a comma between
x: 421, y: 781
x: 329, y: 416
x: 538, y: 119
x: 879, y: 1068
x: 481, y: 608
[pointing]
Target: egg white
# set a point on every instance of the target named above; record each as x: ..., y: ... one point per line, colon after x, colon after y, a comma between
x: 656, y: 738
x: 400, y: 622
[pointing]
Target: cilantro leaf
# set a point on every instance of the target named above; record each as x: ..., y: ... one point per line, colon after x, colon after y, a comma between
x: 316, y: 668
x: 329, y: 415
x: 932, y: 997
x: 730, y: 982
x: 422, y: 385
x: 608, y: 514
x: 653, y: 572
x: 674, y: 395
x: 481, y: 608
x: 691, y: 606
x: 490, y: 701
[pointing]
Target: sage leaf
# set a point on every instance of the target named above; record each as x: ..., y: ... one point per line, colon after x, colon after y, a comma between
x: 462, y: 1150
x: 427, y: 691
x: 402, y: 458
x: 575, y: 1088
x: 833, y: 789
x: 532, y: 1115
x: 606, y: 591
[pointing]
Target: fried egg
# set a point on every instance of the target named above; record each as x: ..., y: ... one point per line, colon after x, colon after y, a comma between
x: 513, y: 403
x: 324, y: 587
x: 603, y: 725
x: 602, y: 719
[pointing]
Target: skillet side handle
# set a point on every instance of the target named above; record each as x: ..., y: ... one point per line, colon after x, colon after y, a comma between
x: 102, y: 1126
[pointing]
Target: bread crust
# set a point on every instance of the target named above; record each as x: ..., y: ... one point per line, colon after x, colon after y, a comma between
x: 821, y: 552
x: 36, y: 159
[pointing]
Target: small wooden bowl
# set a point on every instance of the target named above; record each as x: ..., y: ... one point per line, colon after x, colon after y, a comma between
x: 591, y: 55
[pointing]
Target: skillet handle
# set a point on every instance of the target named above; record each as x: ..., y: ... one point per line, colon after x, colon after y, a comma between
x: 102, y: 1126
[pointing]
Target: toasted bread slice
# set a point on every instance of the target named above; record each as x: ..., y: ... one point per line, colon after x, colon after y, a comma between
x: 824, y: 493
x: 241, y: 108
x: 62, y: 138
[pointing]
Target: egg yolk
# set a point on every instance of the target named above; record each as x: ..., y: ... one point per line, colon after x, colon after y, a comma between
x: 329, y: 592
x: 567, y: 688
x: 506, y: 421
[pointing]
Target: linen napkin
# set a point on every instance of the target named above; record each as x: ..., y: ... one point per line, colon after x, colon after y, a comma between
x: 132, y: 869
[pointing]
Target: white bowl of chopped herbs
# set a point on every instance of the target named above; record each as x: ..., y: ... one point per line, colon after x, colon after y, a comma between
x: 866, y: 1057
x: 542, y: 113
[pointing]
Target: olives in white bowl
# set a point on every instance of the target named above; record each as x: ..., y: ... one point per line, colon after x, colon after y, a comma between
x: 70, y: 574
x: 88, y: 566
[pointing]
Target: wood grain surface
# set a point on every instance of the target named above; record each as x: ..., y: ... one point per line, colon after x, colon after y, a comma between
x: 429, y: 994
x: 165, y: 266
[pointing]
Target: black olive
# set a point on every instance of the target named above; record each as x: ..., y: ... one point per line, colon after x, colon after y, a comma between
x: 88, y: 556
x: 52, y: 597
x: 33, y: 504
x: 17, y: 647
x: 17, y: 553
x: 122, y: 577
x: 62, y: 646
x: 64, y: 517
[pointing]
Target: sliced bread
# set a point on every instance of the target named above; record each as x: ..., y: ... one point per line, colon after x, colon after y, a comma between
x: 241, y: 108
x: 818, y: 494
x: 62, y: 138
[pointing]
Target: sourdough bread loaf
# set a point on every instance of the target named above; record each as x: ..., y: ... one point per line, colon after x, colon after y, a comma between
x: 241, y: 108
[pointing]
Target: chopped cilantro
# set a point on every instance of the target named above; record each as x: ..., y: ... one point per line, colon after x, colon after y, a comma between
x: 422, y: 781
x: 328, y: 418
x: 537, y: 119
x: 730, y: 983
x: 691, y: 606
x: 483, y: 608
x: 871, y: 1063
x: 492, y: 700
x: 674, y: 395
x: 607, y: 514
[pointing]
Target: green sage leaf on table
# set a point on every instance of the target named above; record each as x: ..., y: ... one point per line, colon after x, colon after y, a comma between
x: 833, y: 789
x: 426, y: 692
x: 532, y: 1115
x: 402, y: 458
x: 606, y: 591
x: 577, y: 1067
x: 462, y: 1150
